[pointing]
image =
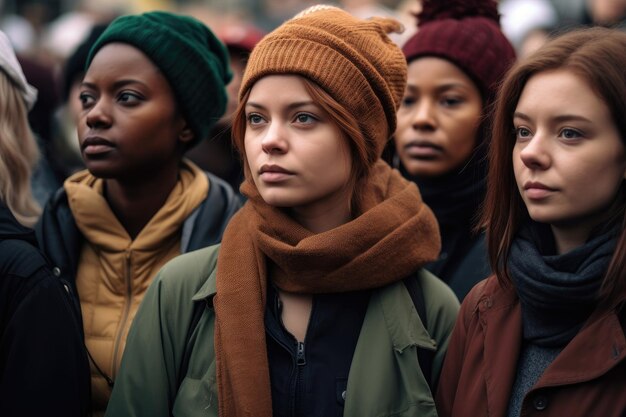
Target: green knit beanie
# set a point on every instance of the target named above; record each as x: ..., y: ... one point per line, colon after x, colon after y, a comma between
x: 192, y: 58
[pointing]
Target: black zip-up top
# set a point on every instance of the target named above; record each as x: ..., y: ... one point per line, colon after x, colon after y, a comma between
x: 310, y: 378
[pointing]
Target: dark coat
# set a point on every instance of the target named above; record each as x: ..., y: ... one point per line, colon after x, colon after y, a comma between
x: 43, y: 363
x: 588, y: 378
x: 463, y: 261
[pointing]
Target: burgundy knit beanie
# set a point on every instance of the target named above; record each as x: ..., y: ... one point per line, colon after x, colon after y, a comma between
x: 467, y: 33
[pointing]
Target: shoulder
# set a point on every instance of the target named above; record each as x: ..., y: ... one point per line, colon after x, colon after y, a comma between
x: 489, y: 290
x: 437, y: 294
x: 20, y: 258
x: 220, y: 190
x: 56, y: 214
x: 187, y: 273
x: 209, y: 221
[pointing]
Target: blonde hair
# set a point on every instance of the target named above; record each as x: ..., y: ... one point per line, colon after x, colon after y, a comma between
x: 18, y: 155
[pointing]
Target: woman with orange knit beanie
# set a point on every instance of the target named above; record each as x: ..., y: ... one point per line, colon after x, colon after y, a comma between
x: 316, y: 303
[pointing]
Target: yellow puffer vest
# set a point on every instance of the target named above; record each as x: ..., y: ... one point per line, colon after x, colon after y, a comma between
x: 114, y: 271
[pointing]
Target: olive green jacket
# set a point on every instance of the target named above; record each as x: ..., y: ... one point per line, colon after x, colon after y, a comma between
x: 384, y: 380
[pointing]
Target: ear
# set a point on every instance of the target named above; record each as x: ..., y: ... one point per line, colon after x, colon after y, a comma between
x: 186, y: 135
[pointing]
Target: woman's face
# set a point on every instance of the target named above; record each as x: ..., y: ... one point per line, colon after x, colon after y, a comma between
x: 297, y: 156
x: 569, y: 159
x: 438, y: 119
x: 128, y: 125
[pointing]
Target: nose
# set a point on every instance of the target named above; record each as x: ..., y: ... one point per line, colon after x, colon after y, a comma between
x: 274, y: 141
x: 536, y: 153
x: 99, y: 115
x: 424, y: 117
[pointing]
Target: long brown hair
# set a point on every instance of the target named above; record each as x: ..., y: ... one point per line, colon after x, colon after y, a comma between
x: 598, y: 55
x: 344, y: 120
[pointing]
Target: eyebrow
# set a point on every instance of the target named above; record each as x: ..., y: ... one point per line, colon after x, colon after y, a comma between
x: 116, y: 84
x: 560, y: 118
x: 290, y: 106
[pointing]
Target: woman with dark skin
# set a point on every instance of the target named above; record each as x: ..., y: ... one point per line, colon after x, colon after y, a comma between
x: 455, y: 61
x: 154, y: 86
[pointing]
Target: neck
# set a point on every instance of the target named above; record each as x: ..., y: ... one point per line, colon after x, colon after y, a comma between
x: 319, y: 218
x: 134, y: 202
x: 574, y: 233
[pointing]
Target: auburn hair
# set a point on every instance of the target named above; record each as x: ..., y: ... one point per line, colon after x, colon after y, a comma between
x: 597, y: 55
x: 342, y: 118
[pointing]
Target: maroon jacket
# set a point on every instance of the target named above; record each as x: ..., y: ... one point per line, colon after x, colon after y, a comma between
x: 588, y: 378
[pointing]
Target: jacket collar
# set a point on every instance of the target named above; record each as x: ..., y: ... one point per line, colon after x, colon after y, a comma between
x: 601, y: 342
x: 403, y: 333
x: 208, y: 289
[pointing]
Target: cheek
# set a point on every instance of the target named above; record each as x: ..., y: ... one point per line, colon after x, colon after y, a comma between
x: 461, y: 130
x: 249, y: 151
x: 403, y: 125
x: 599, y: 182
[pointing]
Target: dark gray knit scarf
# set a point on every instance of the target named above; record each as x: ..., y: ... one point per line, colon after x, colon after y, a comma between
x: 557, y: 292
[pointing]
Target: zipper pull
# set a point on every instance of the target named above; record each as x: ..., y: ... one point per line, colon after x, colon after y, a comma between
x: 300, y: 359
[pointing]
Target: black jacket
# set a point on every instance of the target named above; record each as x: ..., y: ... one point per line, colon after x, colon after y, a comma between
x: 43, y: 363
x: 61, y: 241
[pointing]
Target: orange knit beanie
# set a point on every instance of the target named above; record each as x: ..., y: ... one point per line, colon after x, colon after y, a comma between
x: 352, y: 59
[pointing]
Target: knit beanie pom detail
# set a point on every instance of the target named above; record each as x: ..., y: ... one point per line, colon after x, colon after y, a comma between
x: 457, y: 9
x: 189, y: 55
x: 466, y: 33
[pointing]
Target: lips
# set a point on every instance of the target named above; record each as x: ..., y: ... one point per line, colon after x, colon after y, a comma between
x: 95, y: 145
x: 422, y: 149
x: 274, y: 173
x: 536, y: 190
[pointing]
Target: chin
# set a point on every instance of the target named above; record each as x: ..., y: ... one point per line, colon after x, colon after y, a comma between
x: 422, y: 169
x: 277, y: 198
x: 544, y: 216
x: 99, y: 171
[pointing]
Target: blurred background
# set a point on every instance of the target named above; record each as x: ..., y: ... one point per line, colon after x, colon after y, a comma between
x: 52, y: 39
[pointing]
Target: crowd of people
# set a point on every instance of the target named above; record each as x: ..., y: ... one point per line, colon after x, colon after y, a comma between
x: 320, y: 220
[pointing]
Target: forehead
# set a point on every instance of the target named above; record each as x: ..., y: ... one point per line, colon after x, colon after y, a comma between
x: 561, y: 91
x: 430, y: 69
x: 123, y: 60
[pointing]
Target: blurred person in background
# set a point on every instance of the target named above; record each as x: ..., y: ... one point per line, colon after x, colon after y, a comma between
x: 527, y: 23
x: 607, y: 13
x: 43, y: 363
x: 216, y: 153
x: 455, y: 62
x: 154, y: 87
x: 66, y: 149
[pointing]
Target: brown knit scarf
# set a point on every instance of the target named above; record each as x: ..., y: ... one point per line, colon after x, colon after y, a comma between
x: 394, y: 236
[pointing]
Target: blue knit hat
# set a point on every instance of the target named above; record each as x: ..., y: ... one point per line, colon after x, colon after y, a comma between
x: 192, y: 58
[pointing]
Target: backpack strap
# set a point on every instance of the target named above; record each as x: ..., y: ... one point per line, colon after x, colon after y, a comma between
x: 425, y: 357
